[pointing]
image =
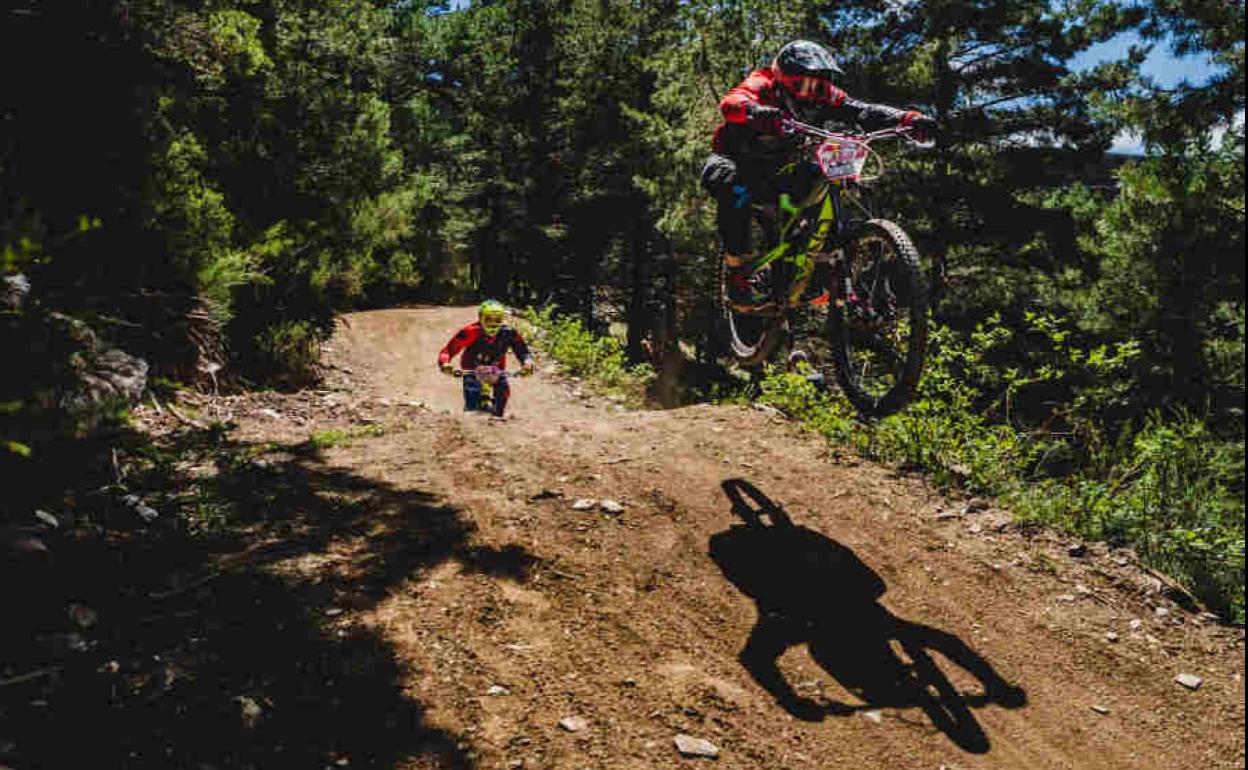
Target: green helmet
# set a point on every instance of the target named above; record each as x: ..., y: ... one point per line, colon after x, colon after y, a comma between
x: 490, y: 314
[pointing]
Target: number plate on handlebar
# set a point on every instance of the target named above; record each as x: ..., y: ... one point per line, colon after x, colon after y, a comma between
x: 841, y: 159
x: 488, y: 374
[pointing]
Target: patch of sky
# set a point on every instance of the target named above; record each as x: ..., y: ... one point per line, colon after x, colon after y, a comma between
x: 1162, y: 66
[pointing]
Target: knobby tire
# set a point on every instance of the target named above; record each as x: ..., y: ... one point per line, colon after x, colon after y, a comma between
x: 907, y: 271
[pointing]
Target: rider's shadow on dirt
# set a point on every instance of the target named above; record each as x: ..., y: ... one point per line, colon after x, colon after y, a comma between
x: 812, y: 590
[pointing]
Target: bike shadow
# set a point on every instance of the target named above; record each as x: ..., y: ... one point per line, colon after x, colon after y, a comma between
x: 812, y: 590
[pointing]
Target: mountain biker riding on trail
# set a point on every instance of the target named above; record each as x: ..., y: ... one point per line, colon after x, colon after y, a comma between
x: 749, y: 147
x: 485, y: 343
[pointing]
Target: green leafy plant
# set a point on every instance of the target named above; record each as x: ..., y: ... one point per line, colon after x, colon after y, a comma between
x: 337, y: 437
x: 292, y: 350
x: 598, y: 359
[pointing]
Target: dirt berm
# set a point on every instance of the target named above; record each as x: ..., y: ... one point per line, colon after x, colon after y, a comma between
x: 792, y: 608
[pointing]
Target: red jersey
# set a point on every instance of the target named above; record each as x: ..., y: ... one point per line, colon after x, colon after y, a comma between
x: 483, y: 350
x: 762, y: 86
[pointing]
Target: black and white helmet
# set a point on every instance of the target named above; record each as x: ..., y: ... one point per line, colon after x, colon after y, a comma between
x: 804, y: 59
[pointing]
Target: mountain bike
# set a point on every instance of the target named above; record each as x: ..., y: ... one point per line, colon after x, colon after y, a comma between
x: 829, y: 251
x: 488, y: 377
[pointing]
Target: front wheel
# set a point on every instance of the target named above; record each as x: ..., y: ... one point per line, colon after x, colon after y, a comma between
x: 877, y: 324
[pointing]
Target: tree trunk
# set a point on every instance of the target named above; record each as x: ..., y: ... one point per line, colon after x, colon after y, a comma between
x: 640, y: 315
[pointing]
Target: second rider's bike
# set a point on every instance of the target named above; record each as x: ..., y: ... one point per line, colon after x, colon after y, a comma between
x: 488, y: 377
x: 829, y: 250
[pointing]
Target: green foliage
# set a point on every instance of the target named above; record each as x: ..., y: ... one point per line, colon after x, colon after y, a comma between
x: 291, y: 351
x: 600, y: 360
x: 332, y: 437
x: 336, y: 437
x: 830, y: 416
x: 239, y: 50
x: 163, y: 387
x: 1174, y: 491
x: 17, y: 448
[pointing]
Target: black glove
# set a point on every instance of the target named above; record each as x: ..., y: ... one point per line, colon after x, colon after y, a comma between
x: 763, y: 119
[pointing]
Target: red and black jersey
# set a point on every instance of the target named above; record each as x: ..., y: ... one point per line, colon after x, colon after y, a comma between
x: 734, y: 137
x: 482, y: 350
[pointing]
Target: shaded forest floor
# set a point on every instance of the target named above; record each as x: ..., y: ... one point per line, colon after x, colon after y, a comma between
x: 379, y: 580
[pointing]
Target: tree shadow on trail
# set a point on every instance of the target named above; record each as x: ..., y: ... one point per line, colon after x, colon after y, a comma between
x: 812, y: 590
x: 239, y: 650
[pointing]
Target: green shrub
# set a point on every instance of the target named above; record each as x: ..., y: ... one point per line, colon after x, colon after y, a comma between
x: 291, y: 351
x: 1174, y: 492
x: 599, y: 360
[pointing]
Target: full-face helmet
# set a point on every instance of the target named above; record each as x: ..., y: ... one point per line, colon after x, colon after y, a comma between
x: 491, y: 314
x: 805, y: 69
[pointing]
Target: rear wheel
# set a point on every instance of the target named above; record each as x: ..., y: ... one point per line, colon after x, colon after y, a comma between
x: 877, y: 324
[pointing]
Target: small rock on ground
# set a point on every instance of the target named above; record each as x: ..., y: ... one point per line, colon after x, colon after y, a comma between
x: 1190, y: 681
x: 976, y: 504
x: 573, y: 724
x: 689, y: 746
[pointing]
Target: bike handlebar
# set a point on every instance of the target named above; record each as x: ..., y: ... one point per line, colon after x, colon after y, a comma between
x: 508, y: 372
x: 795, y: 126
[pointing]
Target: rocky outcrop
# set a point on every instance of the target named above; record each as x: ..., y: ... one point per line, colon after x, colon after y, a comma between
x: 107, y: 379
x: 62, y: 368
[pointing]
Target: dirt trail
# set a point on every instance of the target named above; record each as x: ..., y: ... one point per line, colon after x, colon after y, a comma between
x: 820, y: 644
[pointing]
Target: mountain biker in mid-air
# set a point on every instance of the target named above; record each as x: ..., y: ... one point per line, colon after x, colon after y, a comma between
x: 485, y: 343
x: 749, y: 148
